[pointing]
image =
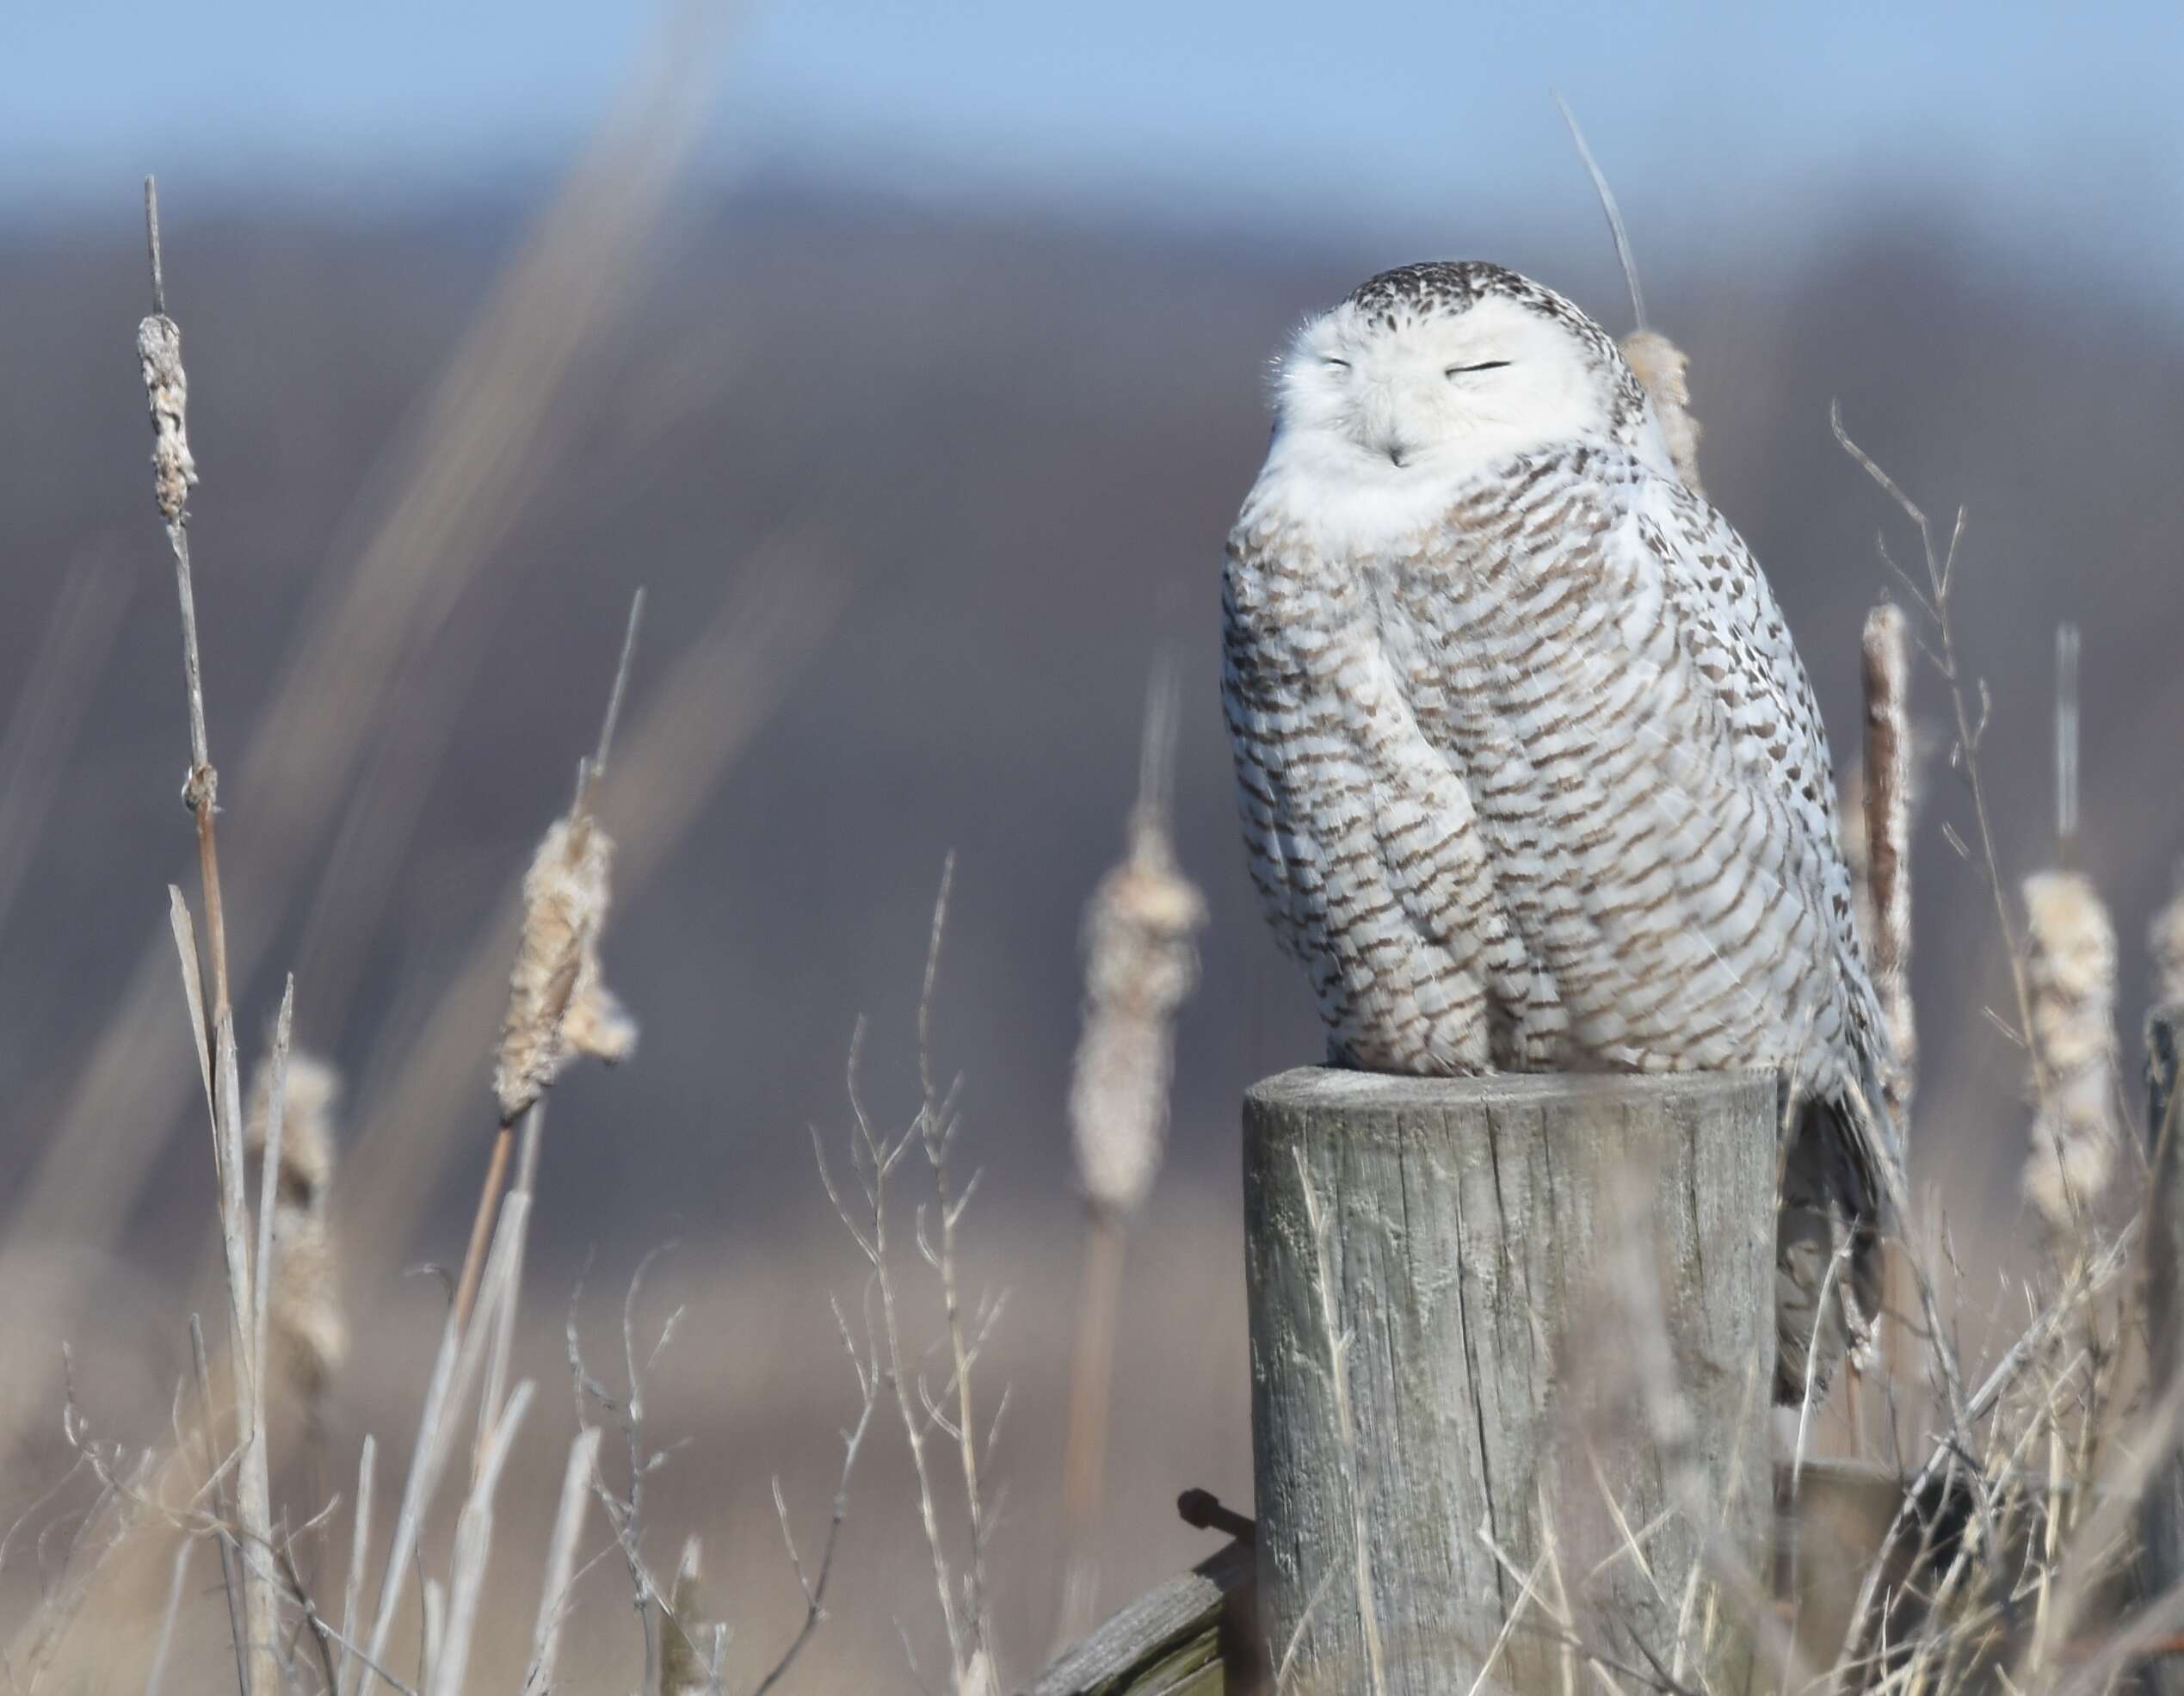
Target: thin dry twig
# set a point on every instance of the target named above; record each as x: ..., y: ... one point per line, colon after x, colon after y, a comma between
x: 814, y: 1585
x: 875, y: 1157
x: 1934, y: 599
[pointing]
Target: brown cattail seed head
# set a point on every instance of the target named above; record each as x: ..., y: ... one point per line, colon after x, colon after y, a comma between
x: 305, y: 1318
x: 314, y: 1090
x: 307, y: 1322
x: 166, y: 387
x: 559, y: 1004
x: 1660, y: 364
x: 2071, y: 976
x: 1140, y: 937
x: 1889, y: 791
x: 2166, y: 937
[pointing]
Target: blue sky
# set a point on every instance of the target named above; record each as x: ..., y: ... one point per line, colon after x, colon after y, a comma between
x: 2060, y: 123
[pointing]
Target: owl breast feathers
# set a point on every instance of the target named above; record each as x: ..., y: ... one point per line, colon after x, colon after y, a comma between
x: 1532, y: 776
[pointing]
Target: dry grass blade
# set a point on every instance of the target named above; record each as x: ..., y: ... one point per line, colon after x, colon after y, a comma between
x: 360, y: 1549
x: 518, y: 1208
x: 561, y: 1563
x: 474, y: 1547
x: 1610, y: 210
x: 185, y: 933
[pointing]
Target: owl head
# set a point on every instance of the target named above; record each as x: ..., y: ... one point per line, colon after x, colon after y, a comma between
x: 1449, y: 367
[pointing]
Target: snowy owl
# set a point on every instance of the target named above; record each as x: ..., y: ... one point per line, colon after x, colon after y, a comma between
x: 1532, y: 776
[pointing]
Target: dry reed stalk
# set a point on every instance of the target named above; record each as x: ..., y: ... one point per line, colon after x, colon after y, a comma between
x: 2072, y: 971
x: 561, y: 1563
x: 455, y: 1371
x: 1141, y: 962
x: 216, y: 1487
x: 518, y: 1207
x: 1954, y: 1468
x: 360, y: 1549
x: 1659, y: 365
x: 174, y: 470
x: 459, y: 482
x: 474, y: 1545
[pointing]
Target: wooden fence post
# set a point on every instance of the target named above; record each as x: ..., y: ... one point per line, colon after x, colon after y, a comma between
x: 2162, y: 1513
x: 1503, y: 1330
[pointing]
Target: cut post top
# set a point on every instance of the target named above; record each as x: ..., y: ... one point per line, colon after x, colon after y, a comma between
x: 1338, y: 1089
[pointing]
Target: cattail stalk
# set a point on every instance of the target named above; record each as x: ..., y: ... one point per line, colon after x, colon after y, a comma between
x: 455, y: 1371
x: 1878, y: 826
x: 174, y: 471
x: 474, y: 1545
x: 558, y: 1005
x: 360, y: 1549
x: 1141, y: 952
x: 2071, y: 977
x: 1660, y: 365
x: 1886, y: 814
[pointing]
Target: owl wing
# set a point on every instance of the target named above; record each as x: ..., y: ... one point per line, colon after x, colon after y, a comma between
x: 1363, y: 840
x: 1843, y: 1160
x: 1651, y: 872
x: 1734, y: 630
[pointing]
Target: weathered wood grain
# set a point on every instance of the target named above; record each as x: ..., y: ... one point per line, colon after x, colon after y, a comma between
x: 1552, y: 1341
x: 1167, y: 1643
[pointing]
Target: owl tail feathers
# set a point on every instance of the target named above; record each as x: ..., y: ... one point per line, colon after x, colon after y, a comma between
x: 1828, y: 1271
